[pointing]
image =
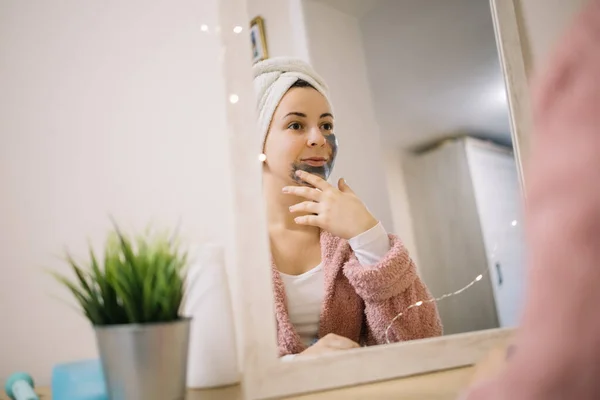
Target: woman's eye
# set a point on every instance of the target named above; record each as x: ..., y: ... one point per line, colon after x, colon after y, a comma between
x: 327, y: 126
x: 295, y: 126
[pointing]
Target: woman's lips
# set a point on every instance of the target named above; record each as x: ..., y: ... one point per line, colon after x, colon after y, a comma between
x: 315, y: 161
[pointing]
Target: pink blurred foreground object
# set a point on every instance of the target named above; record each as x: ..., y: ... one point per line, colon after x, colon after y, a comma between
x: 557, y: 347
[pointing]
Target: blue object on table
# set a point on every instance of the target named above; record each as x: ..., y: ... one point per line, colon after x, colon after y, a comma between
x: 19, y: 386
x: 80, y: 380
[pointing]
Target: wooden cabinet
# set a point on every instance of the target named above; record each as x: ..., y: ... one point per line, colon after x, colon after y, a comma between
x: 465, y: 201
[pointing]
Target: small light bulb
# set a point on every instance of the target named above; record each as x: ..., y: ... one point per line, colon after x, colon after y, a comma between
x: 479, y: 278
x: 237, y: 29
x: 262, y: 157
x: 204, y: 28
x: 514, y: 223
x: 234, y: 98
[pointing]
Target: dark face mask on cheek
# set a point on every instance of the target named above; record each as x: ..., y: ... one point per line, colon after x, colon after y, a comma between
x: 323, y: 171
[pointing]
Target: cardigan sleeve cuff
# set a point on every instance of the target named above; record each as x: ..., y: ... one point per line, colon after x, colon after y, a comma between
x: 371, y: 246
x: 392, y: 275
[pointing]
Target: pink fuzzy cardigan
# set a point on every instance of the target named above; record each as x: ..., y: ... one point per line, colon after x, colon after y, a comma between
x: 557, y: 347
x: 360, y: 301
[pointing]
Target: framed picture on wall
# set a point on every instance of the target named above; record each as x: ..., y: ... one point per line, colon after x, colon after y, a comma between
x: 258, y: 40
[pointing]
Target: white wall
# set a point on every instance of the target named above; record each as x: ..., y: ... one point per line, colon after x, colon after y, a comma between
x: 434, y: 71
x: 400, y: 205
x: 284, y: 26
x: 336, y: 52
x: 105, y: 108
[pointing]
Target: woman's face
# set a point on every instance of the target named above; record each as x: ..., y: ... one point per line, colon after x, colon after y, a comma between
x: 301, y: 136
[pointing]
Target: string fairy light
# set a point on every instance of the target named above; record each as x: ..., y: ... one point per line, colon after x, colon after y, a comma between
x: 432, y: 300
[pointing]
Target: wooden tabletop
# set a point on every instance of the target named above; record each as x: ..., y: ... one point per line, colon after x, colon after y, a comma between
x: 445, y: 385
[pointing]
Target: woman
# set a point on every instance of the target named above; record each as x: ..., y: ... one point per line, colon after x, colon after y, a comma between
x: 339, y: 278
x: 556, y: 351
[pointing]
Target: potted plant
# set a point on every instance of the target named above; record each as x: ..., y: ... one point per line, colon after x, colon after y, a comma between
x: 133, y: 298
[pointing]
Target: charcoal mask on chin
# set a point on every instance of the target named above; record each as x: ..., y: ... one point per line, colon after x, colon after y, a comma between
x: 323, y: 171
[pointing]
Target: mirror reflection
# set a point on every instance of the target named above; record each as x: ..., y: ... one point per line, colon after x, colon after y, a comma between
x: 390, y: 184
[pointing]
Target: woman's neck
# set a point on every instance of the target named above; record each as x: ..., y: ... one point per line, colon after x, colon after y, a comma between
x: 279, y: 217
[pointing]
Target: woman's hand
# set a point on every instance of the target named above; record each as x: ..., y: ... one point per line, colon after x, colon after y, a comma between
x: 483, y: 383
x: 328, y: 344
x: 490, y: 366
x: 336, y: 210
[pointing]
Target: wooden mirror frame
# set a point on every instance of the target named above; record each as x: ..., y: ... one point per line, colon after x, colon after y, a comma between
x: 264, y: 375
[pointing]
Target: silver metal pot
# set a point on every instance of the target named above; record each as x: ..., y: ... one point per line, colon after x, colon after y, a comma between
x: 145, y: 361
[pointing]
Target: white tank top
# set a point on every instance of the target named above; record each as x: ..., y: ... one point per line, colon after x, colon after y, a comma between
x: 305, y: 292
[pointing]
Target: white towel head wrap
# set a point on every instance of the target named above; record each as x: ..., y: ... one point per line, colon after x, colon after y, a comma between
x: 273, y: 77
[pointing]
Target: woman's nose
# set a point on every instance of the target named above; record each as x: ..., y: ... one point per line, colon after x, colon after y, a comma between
x: 316, y: 138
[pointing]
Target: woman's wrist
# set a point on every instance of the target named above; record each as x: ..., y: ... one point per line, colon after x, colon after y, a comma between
x: 374, y: 233
x: 371, y: 246
x: 366, y: 225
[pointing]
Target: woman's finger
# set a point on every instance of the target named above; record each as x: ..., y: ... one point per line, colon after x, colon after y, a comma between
x: 303, y: 191
x: 306, y: 206
x: 314, y: 180
x: 312, y: 220
x: 344, y: 187
x: 345, y: 343
x: 337, y: 341
x: 342, y: 343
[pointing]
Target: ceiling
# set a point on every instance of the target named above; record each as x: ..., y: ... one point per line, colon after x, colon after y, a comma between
x: 433, y: 68
x: 357, y: 8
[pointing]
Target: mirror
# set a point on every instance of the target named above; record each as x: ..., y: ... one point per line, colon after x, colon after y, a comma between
x: 396, y: 115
